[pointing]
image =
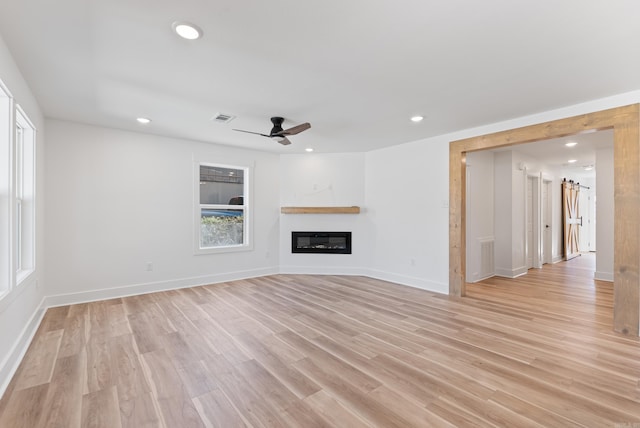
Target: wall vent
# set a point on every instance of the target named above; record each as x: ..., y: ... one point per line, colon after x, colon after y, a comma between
x: 222, y: 118
x: 487, y: 265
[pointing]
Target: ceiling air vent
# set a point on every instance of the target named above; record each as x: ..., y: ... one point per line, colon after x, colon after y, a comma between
x: 222, y: 118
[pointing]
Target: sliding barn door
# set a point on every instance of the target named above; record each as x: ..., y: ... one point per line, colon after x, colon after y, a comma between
x: 571, y: 219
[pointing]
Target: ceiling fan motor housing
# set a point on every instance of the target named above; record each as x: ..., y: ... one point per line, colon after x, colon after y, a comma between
x: 277, y: 125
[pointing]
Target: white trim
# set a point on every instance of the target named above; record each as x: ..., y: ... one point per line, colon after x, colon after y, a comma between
x: 557, y: 259
x: 10, y: 296
x: 153, y: 287
x: 12, y: 361
x: 511, y: 273
x: 26, y: 169
x: 247, y: 207
x: 483, y: 278
x: 322, y: 270
x: 411, y: 281
x: 7, y: 130
x: 603, y: 276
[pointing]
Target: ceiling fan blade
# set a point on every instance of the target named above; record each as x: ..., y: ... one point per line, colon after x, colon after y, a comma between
x: 283, y: 140
x: 250, y: 132
x: 296, y: 129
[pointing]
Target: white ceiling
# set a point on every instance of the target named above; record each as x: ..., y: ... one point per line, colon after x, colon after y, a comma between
x: 356, y: 70
x: 555, y: 154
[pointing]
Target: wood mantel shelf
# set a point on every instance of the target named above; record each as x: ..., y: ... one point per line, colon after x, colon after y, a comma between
x: 320, y: 210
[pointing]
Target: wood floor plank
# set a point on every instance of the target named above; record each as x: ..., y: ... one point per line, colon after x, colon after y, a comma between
x: 63, y: 404
x: 119, y: 324
x: 16, y: 414
x: 217, y: 411
x: 100, y: 409
x: 76, y: 331
x: 334, y: 412
x: 54, y: 318
x: 257, y: 411
x: 169, y: 392
x: 132, y: 385
x: 140, y: 411
x: 99, y: 365
x: 39, y: 363
x: 197, y: 378
x: 295, y: 381
x: 327, y: 351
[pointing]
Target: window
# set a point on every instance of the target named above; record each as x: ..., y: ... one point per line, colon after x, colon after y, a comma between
x: 24, y: 196
x: 222, y: 208
x: 17, y: 194
x: 6, y: 133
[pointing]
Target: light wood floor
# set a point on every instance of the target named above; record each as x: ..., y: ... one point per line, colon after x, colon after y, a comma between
x: 307, y: 351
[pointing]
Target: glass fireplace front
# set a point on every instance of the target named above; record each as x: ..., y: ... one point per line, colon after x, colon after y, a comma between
x: 321, y: 242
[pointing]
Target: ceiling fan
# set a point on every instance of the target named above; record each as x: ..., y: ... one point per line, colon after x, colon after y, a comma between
x: 279, y: 134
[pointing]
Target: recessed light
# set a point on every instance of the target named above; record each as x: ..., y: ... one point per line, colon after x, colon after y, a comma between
x: 144, y: 120
x: 571, y: 144
x: 308, y: 149
x: 588, y: 167
x: 417, y: 119
x: 572, y: 160
x: 186, y: 30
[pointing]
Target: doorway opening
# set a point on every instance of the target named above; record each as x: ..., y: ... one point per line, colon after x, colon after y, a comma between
x: 625, y: 121
x: 514, y: 200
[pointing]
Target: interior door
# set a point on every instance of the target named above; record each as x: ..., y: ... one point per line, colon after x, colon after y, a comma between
x: 583, y: 203
x: 546, y: 222
x: 529, y: 221
x: 571, y: 219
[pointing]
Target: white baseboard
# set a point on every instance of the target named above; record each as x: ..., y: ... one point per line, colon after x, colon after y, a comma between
x: 603, y: 276
x: 411, y: 281
x: 11, y: 362
x: 491, y: 275
x: 511, y: 273
x: 322, y: 270
x: 557, y: 259
x: 152, y: 287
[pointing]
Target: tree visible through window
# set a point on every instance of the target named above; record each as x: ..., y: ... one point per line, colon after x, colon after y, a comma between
x: 223, y: 210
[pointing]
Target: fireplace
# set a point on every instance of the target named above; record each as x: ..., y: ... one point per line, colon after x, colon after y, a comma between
x: 321, y: 242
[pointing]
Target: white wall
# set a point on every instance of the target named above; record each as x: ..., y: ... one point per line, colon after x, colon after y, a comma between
x: 407, y: 204
x: 424, y: 197
x: 324, y: 180
x: 480, y: 210
x: 503, y: 216
x: 20, y: 311
x: 556, y: 220
x: 119, y: 200
x: 604, y: 214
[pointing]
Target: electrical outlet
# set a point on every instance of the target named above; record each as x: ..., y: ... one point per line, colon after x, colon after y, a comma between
x: 149, y: 266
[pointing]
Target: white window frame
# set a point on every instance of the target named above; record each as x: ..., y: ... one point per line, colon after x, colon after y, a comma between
x: 24, y: 197
x: 6, y: 190
x: 247, y: 243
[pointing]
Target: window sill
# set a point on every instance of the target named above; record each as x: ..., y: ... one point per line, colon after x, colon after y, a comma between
x: 222, y: 250
x: 23, y: 275
x: 320, y: 210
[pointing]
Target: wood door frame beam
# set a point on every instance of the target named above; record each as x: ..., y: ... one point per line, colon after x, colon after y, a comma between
x: 625, y: 122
